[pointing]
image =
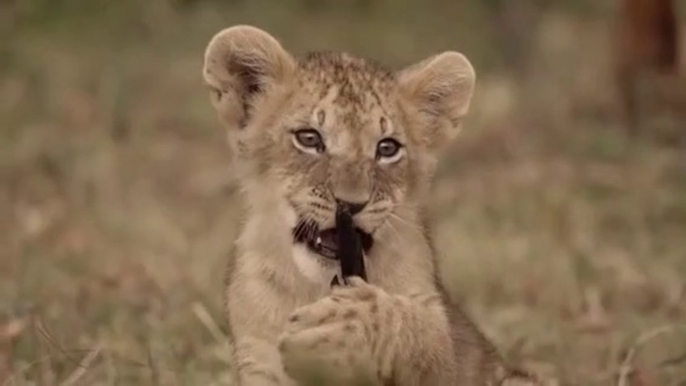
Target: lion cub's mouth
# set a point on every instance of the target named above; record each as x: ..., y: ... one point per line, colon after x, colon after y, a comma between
x: 325, y: 242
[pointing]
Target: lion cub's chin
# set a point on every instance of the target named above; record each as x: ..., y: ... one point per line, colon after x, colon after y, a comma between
x: 315, y: 268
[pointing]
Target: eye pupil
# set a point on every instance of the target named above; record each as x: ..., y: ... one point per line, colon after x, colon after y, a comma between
x: 310, y: 138
x: 387, y: 148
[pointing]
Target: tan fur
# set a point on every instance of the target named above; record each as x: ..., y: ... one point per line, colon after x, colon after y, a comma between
x: 400, y: 329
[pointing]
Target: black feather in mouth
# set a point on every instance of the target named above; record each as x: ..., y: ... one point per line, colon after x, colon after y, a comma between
x: 325, y: 242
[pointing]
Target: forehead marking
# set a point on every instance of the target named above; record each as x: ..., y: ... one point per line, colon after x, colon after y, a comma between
x: 318, y: 116
x: 386, y: 128
x: 378, y: 100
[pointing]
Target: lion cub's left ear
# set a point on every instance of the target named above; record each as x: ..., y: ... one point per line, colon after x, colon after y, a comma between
x: 440, y: 90
x: 242, y: 63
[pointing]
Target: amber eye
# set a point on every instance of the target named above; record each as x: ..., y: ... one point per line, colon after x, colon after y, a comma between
x: 309, y: 140
x: 388, y: 148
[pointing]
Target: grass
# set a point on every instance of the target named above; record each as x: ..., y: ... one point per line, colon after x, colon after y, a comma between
x: 564, y: 239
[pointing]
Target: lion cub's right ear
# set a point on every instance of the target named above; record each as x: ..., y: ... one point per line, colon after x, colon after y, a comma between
x: 241, y: 64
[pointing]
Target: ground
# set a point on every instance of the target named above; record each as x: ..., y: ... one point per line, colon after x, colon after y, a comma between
x: 565, y: 239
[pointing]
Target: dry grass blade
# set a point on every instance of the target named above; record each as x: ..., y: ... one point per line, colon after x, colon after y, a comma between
x: 45, y: 333
x: 82, y: 368
x: 677, y: 360
x: 9, y: 331
x: 206, y: 319
x: 627, y: 367
x: 154, y: 371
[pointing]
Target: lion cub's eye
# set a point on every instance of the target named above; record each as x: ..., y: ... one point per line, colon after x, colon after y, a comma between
x: 308, y: 140
x: 388, y: 150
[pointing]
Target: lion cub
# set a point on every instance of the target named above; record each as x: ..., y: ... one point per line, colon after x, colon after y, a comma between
x: 306, y: 136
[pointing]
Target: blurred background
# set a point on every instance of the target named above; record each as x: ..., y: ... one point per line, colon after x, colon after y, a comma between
x: 561, y: 211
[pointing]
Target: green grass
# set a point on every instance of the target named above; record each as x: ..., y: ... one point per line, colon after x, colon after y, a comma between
x: 565, y: 240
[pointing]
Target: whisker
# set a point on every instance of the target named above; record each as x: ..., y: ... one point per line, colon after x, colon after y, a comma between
x: 413, y: 227
x: 394, y: 231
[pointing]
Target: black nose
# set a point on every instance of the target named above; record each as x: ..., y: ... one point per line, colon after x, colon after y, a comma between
x: 352, y: 207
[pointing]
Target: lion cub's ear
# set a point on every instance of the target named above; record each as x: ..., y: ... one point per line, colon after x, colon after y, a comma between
x: 241, y: 64
x: 440, y: 88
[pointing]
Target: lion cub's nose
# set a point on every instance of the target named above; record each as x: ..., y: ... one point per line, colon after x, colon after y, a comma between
x: 353, y: 207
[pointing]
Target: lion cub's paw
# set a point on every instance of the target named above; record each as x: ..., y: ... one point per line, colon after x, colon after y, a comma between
x: 340, y: 337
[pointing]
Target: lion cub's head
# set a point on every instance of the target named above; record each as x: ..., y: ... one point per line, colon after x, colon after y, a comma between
x: 331, y: 129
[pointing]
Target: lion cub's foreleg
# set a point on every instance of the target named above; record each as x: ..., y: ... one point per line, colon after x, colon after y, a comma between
x: 363, y: 334
x: 258, y: 363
